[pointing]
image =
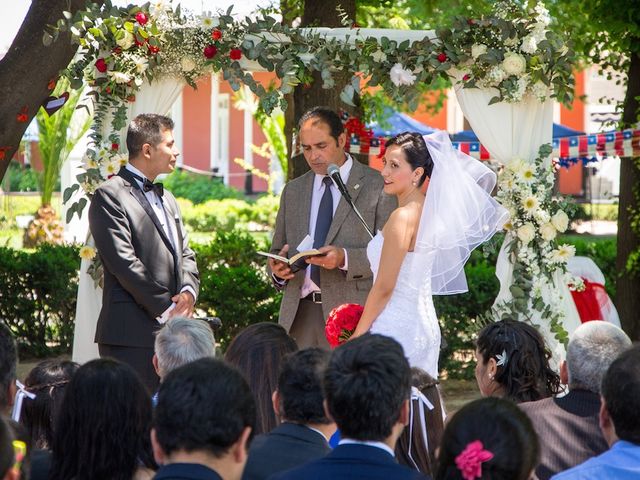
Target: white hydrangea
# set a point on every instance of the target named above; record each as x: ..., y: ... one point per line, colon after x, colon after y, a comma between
x: 540, y: 90
x: 478, y: 49
x: 542, y: 14
x: 514, y: 63
x: 529, y: 45
x: 495, y: 75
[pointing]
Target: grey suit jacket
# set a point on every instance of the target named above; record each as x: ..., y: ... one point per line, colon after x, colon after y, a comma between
x: 142, y: 271
x: 292, y: 225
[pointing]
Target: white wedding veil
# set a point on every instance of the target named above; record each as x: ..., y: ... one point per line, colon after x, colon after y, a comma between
x: 459, y: 213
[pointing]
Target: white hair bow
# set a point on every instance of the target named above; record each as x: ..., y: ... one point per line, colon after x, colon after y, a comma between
x: 17, y: 405
x: 422, y: 403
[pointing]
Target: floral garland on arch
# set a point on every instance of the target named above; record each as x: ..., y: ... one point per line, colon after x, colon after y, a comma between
x: 536, y: 218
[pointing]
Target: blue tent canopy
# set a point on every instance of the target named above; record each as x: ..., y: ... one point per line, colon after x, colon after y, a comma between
x: 397, y: 122
x: 559, y: 131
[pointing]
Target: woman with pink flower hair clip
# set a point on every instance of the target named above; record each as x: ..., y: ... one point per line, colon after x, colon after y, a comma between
x: 488, y: 439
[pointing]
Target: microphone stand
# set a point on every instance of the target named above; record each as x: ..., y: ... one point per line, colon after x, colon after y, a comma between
x: 334, y: 173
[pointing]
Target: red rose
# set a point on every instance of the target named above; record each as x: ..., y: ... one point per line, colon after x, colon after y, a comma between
x: 235, y: 54
x: 466, y: 77
x: 131, y: 98
x: 210, y: 51
x: 115, y: 146
x: 117, y: 51
x: 216, y: 34
x: 141, y: 18
x: 442, y: 57
x: 342, y: 322
x: 101, y: 65
x: 108, y: 89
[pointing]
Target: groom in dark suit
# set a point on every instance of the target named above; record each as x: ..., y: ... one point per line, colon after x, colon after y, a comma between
x: 150, y: 273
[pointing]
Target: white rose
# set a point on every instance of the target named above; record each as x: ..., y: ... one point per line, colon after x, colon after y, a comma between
x: 529, y: 45
x: 127, y: 41
x: 401, y: 76
x: 496, y: 75
x: 560, y: 221
x: 548, y: 232
x: 187, y: 64
x: 526, y: 233
x: 478, y: 49
x: 379, y: 56
x: 514, y: 63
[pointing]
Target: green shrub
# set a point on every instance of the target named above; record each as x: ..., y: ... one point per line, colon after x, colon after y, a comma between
x: 264, y: 210
x: 38, y: 297
x: 234, y: 283
x: 230, y: 213
x: 21, y: 179
x: 198, y: 188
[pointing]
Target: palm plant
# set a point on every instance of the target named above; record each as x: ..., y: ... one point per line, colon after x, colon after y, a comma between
x: 57, y: 135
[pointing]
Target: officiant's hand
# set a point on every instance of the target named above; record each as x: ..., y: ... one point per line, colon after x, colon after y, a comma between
x: 333, y: 257
x: 184, y: 305
x: 281, y: 269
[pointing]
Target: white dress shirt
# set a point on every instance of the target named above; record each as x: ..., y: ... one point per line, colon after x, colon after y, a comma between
x: 380, y: 445
x: 316, y: 196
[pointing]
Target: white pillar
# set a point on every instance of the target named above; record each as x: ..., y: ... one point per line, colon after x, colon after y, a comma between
x: 248, y: 130
x: 176, y: 116
x: 214, y: 160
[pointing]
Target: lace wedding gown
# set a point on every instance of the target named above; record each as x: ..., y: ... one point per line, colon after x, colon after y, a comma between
x: 409, y: 316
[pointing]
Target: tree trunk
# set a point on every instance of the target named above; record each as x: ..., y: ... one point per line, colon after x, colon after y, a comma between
x: 27, y: 69
x: 628, y: 284
x: 322, y: 14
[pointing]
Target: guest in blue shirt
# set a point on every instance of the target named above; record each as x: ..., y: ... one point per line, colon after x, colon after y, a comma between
x: 620, y: 424
x: 203, y: 422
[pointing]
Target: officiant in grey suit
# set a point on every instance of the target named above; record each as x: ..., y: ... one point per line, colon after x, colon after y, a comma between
x: 312, y: 205
x: 150, y: 273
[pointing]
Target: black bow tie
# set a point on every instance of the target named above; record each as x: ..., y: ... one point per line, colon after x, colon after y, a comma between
x: 148, y: 185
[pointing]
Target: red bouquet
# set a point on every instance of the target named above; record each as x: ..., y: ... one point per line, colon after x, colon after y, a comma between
x: 342, y: 322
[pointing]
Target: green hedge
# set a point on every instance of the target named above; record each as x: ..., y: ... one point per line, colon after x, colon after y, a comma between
x: 230, y: 213
x: 38, y: 297
x: 38, y: 293
x: 198, y: 188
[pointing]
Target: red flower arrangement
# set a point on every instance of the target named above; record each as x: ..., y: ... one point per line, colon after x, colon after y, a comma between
x: 235, y: 54
x: 342, y: 322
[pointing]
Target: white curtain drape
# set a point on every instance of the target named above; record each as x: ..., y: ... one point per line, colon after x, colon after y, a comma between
x: 511, y: 131
x: 156, y: 97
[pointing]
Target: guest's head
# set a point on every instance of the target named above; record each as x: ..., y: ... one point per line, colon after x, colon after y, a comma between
x: 258, y: 351
x: 419, y: 441
x: 513, y: 362
x: 367, y: 387
x: 47, y: 381
x: 592, y: 347
x: 322, y: 138
x: 7, y: 453
x: 406, y: 163
x: 497, y: 428
x: 180, y: 341
x: 205, y: 414
x: 299, y: 397
x: 620, y: 392
x: 8, y: 361
x: 105, y: 420
x: 151, y: 145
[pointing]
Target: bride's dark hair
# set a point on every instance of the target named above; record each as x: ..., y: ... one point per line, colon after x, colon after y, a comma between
x: 415, y: 150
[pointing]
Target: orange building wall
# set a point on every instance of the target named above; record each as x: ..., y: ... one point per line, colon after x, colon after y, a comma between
x: 196, y: 125
x: 570, y: 180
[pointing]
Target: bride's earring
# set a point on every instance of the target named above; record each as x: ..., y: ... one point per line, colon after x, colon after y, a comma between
x: 414, y: 183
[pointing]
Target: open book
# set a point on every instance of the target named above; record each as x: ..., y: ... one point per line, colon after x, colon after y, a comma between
x: 290, y: 261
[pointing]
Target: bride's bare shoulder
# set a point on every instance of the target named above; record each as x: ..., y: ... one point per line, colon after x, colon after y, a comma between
x: 405, y: 217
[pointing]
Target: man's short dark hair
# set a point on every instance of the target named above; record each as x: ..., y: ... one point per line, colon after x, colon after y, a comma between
x: 300, y: 386
x: 324, y: 115
x: 8, y: 361
x: 203, y: 406
x: 146, y: 128
x: 367, y: 381
x: 621, y: 392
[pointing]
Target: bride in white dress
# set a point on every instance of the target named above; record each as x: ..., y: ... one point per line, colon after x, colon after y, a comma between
x: 427, y: 240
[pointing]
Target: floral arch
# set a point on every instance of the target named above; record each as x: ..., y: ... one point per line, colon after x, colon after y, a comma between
x: 506, y: 69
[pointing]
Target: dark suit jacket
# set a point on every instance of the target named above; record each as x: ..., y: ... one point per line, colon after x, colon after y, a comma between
x: 142, y: 271
x: 353, y: 462
x: 286, y: 446
x: 186, y: 471
x: 292, y: 225
x: 568, y: 430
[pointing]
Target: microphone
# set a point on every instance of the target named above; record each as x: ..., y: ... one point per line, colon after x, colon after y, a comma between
x: 334, y: 172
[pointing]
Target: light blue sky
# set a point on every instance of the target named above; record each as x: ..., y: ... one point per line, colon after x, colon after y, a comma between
x: 14, y: 11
